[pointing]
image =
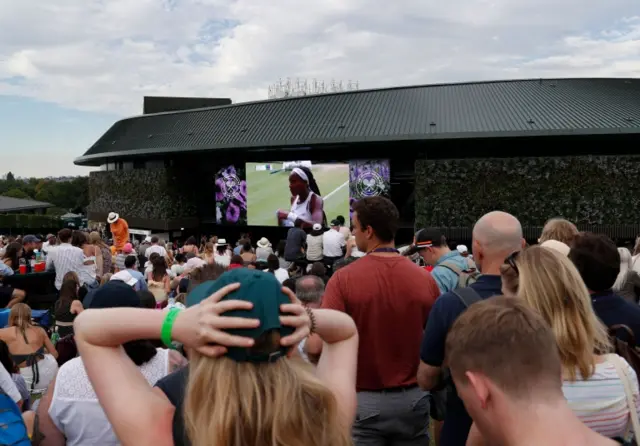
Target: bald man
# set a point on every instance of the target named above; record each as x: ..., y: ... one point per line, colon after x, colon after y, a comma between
x: 496, y: 236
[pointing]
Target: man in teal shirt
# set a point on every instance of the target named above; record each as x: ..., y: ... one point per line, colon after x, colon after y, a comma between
x: 449, y: 266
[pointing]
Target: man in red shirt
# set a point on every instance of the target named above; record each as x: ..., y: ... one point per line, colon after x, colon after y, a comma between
x: 389, y: 298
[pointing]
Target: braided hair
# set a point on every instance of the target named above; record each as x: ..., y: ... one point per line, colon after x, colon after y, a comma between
x: 313, y: 185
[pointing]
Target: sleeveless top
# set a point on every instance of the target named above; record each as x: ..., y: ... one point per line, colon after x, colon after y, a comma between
x: 75, y: 409
x: 63, y: 314
x: 87, y: 272
x: 301, y: 209
x: 157, y: 289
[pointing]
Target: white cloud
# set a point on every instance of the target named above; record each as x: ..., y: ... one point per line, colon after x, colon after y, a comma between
x: 106, y: 54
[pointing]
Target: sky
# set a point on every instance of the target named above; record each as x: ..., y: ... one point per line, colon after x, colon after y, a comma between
x: 69, y: 69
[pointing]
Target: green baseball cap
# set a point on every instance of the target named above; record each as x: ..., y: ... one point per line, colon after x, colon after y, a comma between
x: 265, y: 292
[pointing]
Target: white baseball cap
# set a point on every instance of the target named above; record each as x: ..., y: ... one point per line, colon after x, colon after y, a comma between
x: 126, y: 277
x: 462, y: 249
x: 317, y: 226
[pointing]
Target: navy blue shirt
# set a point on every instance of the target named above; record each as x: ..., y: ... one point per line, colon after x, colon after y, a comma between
x: 614, y: 310
x: 443, y: 314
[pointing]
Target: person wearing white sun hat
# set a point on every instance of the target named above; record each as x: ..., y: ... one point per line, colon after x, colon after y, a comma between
x: 263, y: 250
x: 120, y: 230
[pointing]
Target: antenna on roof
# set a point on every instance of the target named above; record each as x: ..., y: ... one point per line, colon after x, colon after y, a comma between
x: 287, y: 88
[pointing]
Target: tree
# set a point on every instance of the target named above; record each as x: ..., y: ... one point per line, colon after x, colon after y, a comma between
x: 17, y: 193
x: 10, y: 177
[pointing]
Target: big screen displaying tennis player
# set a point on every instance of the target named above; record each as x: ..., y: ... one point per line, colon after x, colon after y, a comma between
x: 280, y: 193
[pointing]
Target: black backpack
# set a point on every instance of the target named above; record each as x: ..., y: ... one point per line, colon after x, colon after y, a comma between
x: 440, y: 394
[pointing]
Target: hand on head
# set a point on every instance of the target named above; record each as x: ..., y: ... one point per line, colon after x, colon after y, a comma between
x: 203, y: 327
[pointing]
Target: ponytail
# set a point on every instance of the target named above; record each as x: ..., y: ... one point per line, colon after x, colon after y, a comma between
x: 315, y: 189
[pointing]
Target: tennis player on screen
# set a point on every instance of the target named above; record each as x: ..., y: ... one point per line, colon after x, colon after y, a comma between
x: 307, y: 205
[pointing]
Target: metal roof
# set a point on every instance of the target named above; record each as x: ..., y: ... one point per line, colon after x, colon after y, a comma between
x: 10, y: 204
x: 446, y: 111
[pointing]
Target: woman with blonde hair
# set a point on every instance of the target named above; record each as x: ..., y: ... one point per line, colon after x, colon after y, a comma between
x: 550, y: 283
x: 244, y: 385
x: 559, y: 229
x: 208, y: 255
x: 105, y: 259
x: 30, y: 348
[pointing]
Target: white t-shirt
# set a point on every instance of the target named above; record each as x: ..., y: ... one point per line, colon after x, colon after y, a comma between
x: 155, y: 248
x: 281, y: 274
x: 75, y: 409
x: 332, y: 243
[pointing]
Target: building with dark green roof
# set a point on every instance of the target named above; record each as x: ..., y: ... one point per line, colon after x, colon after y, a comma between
x: 157, y: 169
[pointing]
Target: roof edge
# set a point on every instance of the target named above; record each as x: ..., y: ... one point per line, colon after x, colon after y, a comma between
x: 98, y: 158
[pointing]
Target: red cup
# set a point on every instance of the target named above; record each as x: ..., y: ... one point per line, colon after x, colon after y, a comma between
x: 23, y: 269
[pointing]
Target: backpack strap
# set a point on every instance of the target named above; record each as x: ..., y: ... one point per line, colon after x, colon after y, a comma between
x: 452, y: 267
x: 463, y: 276
x: 467, y: 296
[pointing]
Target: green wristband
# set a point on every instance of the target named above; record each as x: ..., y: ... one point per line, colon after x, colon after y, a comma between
x: 167, y: 326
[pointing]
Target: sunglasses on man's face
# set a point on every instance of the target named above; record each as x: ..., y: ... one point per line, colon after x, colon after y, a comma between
x: 511, y: 261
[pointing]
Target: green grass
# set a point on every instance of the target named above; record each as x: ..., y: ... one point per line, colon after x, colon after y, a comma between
x: 267, y: 192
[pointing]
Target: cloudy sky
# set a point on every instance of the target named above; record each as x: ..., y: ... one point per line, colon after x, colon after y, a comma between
x: 70, y: 68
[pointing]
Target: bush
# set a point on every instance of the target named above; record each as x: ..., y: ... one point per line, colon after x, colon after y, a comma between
x: 588, y: 190
x: 29, y: 221
x: 141, y: 193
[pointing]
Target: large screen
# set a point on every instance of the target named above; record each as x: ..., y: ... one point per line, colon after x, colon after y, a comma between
x: 231, y: 196
x: 280, y: 192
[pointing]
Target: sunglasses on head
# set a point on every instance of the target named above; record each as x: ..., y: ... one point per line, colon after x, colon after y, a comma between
x: 511, y: 261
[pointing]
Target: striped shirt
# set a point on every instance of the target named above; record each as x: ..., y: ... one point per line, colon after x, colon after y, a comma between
x: 63, y: 259
x: 600, y: 402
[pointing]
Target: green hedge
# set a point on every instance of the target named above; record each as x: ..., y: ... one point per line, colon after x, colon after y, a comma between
x: 591, y: 190
x: 144, y: 193
x: 29, y: 221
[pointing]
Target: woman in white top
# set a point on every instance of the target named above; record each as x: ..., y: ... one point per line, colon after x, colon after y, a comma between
x: 314, y: 243
x: 307, y: 205
x: 547, y: 281
x: 70, y: 413
x: 92, y: 257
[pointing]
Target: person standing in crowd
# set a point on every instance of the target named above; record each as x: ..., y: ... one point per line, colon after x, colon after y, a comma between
x: 29, y: 244
x: 598, y: 261
x: 496, y: 236
x: 464, y: 252
x: 505, y: 364
x: 450, y: 269
x: 49, y: 244
x: 333, y: 244
x: 65, y: 258
x: 155, y: 247
x: 389, y: 298
x: 559, y: 229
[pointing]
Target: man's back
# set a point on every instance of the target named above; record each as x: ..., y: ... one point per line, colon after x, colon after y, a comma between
x: 389, y: 298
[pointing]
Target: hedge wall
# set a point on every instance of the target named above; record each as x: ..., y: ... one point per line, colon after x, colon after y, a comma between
x: 141, y: 193
x: 590, y: 190
x: 29, y: 221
